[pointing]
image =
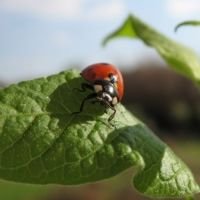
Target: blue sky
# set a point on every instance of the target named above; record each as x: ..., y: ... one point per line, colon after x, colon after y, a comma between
x: 41, y: 37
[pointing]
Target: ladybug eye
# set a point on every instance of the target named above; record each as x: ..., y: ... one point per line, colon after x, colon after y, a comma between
x: 113, y: 78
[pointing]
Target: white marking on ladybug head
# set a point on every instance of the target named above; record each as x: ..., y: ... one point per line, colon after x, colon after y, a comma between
x: 107, y: 97
x: 114, y: 101
x: 98, y: 88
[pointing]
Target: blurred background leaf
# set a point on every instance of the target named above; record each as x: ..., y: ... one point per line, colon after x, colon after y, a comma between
x: 17, y: 191
x: 179, y: 57
x: 187, y: 23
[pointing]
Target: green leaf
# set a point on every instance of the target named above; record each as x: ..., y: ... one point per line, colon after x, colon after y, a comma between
x: 187, y: 23
x: 179, y: 57
x: 41, y: 142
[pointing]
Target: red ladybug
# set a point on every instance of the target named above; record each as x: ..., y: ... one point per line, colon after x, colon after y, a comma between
x: 106, y: 83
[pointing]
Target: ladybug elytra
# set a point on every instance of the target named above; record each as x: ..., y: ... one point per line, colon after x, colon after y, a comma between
x: 106, y: 83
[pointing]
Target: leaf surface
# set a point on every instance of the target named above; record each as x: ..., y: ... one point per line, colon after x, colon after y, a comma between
x: 41, y: 142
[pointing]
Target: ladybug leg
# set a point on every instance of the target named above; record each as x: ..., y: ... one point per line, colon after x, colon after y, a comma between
x: 113, y: 114
x: 84, y: 87
x: 102, y: 103
x: 112, y: 108
x: 90, y: 96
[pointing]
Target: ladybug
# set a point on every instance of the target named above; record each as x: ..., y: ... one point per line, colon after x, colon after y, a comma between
x: 106, y: 83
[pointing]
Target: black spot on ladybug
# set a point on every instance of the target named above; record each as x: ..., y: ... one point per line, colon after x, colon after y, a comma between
x: 110, y: 75
x: 104, y: 63
x: 113, y: 78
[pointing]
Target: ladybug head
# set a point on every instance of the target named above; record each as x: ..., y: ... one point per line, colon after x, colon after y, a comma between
x: 106, y: 91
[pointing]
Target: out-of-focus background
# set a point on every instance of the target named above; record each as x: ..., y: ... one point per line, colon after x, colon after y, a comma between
x: 39, y: 38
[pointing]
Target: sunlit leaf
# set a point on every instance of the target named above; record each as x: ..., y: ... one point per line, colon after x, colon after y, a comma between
x: 41, y: 142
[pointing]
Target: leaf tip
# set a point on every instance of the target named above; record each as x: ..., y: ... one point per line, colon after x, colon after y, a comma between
x: 176, y: 28
x: 104, y: 42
